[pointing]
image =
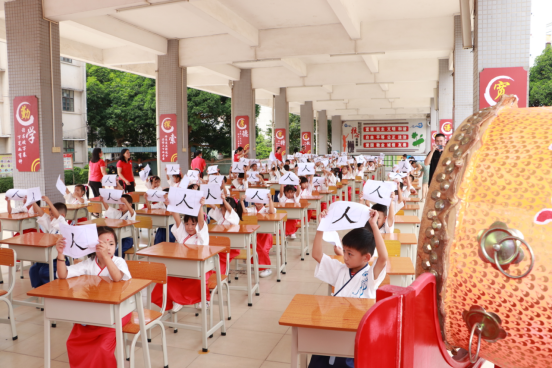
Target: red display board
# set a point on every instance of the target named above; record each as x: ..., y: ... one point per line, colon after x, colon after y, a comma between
x: 280, y: 140
x: 168, y: 136
x: 446, y: 127
x: 306, y: 140
x: 386, y: 145
x: 385, y: 129
x: 385, y: 137
x: 26, y: 133
x: 433, y: 134
x: 242, y: 132
x: 495, y: 82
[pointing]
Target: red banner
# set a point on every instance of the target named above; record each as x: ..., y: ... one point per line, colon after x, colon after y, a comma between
x: 306, y: 141
x: 433, y: 134
x: 168, y: 136
x: 446, y: 127
x: 26, y: 133
x: 242, y: 132
x: 385, y: 137
x: 386, y: 145
x: 280, y: 140
x: 385, y: 129
x: 495, y: 82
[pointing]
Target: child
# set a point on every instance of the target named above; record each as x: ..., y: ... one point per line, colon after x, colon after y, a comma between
x: 193, y: 230
x: 154, y: 182
x: 125, y: 212
x: 239, y: 183
x: 306, y: 191
x: 229, y: 213
x: 290, y: 194
x: 354, y: 278
x: 175, y: 179
x: 21, y: 208
x: 39, y: 273
x: 94, y: 346
x: 77, y: 197
x: 264, y: 241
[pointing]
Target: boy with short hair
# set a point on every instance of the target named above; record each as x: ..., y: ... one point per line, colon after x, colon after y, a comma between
x: 124, y: 212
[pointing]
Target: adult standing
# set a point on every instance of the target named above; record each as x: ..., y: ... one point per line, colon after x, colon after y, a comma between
x: 96, y: 171
x: 198, y: 163
x: 432, y: 159
x: 278, y: 154
x: 303, y: 150
x: 124, y: 170
x: 239, y: 153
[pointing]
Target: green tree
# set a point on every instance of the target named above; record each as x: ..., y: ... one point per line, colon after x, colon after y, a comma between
x: 263, y: 144
x: 540, y: 80
x: 294, y: 133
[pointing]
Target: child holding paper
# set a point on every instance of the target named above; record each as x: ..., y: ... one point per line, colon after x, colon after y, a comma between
x: 77, y: 197
x: 290, y: 194
x: 94, y: 346
x: 154, y: 182
x: 124, y: 212
x: 354, y: 278
x: 175, y: 179
x: 239, y: 183
x: 39, y: 273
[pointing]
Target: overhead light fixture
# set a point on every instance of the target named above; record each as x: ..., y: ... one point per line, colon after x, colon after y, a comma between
x: 358, y: 54
x: 341, y: 100
x: 361, y: 84
x: 149, y: 5
x: 385, y: 98
x: 256, y: 60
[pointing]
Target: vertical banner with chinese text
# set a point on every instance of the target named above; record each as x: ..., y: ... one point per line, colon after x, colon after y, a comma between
x: 280, y: 140
x: 306, y: 141
x: 433, y: 134
x: 242, y: 132
x: 446, y: 127
x: 495, y: 82
x: 168, y: 136
x: 26, y: 134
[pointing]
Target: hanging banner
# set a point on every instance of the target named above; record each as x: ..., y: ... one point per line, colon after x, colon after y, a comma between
x: 306, y: 141
x: 27, y: 139
x: 433, y: 134
x: 67, y: 161
x: 495, y: 82
x: 242, y: 132
x: 280, y: 140
x: 168, y: 134
x: 446, y: 127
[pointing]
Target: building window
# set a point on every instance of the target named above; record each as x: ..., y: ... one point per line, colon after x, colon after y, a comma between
x: 68, y: 99
x: 68, y: 146
x: 66, y: 60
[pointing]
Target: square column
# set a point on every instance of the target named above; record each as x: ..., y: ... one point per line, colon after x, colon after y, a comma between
x: 336, y: 133
x: 307, y: 126
x: 462, y: 77
x: 34, y: 65
x: 281, y: 121
x: 172, y: 100
x: 322, y: 142
x: 243, y: 113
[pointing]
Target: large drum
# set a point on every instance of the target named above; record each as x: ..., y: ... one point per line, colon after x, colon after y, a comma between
x: 486, y: 234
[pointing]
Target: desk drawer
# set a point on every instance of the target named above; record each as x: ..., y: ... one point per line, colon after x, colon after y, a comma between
x: 34, y: 254
x: 85, y: 312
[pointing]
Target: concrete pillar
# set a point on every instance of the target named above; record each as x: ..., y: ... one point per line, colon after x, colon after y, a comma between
x: 307, y: 124
x: 34, y: 65
x: 281, y: 118
x: 243, y: 104
x: 172, y: 98
x: 502, y: 32
x: 434, y: 124
x: 336, y: 133
x: 445, y: 90
x: 322, y: 142
x: 462, y: 77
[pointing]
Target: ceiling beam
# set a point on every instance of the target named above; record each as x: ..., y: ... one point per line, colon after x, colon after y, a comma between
x: 223, y: 70
x: 60, y: 10
x: 466, y: 8
x: 372, y: 62
x: 296, y: 66
x: 347, y: 16
x: 81, y: 51
x: 127, y: 55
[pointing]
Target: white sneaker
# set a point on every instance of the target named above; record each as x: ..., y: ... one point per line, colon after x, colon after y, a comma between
x: 176, y: 307
x: 266, y: 273
x: 292, y: 236
x: 198, y: 305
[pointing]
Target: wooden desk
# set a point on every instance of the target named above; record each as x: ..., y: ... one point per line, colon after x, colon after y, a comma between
x: 413, y: 199
x: 34, y: 247
x: 76, y: 211
x: 298, y: 211
x: 411, y: 209
x: 339, y: 186
x: 407, y: 224
x: 327, y: 196
x: 355, y: 182
x: 314, y: 203
x: 346, y: 184
x: 274, y: 185
x: 17, y: 222
x: 159, y: 218
x: 137, y: 198
x: 274, y: 224
x: 123, y: 229
x: 323, y: 325
x: 93, y: 300
x: 241, y: 237
x: 192, y: 262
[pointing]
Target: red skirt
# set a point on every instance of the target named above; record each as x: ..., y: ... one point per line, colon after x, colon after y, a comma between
x: 350, y: 191
x: 323, y: 206
x: 93, y: 346
x: 311, y: 214
x: 264, y: 244
x: 27, y: 231
x: 291, y: 227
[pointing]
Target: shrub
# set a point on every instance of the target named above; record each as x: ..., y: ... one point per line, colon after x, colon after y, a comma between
x: 6, y: 184
x: 69, y: 177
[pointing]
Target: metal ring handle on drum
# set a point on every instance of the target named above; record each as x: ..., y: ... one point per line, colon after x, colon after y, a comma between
x: 489, y: 232
x: 497, y: 264
x: 479, y: 327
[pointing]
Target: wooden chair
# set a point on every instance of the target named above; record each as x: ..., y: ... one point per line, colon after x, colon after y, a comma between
x: 393, y: 248
x: 397, y: 231
x: 8, y: 258
x: 400, y: 213
x: 144, y: 222
x: 95, y: 208
x: 156, y: 272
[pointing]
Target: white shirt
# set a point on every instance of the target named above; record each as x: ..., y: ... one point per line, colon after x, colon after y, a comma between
x: 237, y: 185
x: 201, y: 236
x: 115, y: 214
x: 348, y: 176
x: 20, y: 208
x: 253, y: 210
x: 307, y: 192
x: 386, y: 229
x: 71, y: 199
x: 90, y: 267
x: 361, y: 285
x: 158, y: 205
x: 229, y: 218
x: 283, y: 199
x: 49, y: 224
x: 274, y: 176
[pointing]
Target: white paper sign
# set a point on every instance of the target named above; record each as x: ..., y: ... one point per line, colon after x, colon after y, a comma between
x: 325, y: 162
x: 156, y: 195
x: 405, y: 167
x: 345, y: 215
x: 237, y: 167
x: 290, y: 157
x: 193, y: 175
x: 184, y: 201
x: 302, y: 160
x: 246, y: 161
x: 289, y: 179
x: 306, y: 169
x: 272, y: 157
x: 145, y: 173
x: 318, y: 181
x: 394, y: 175
x: 377, y: 192
x: 350, y: 161
x: 112, y: 196
x: 253, y: 176
x: 253, y: 162
x: 332, y: 237
x: 212, y: 169
x: 359, y: 159
x: 298, y: 154
x: 61, y: 186
x: 216, y: 179
x: 33, y: 195
x: 16, y: 194
x: 173, y: 169
x: 79, y: 240
x: 109, y: 181
x: 257, y: 195
x: 211, y: 193
x: 342, y: 161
